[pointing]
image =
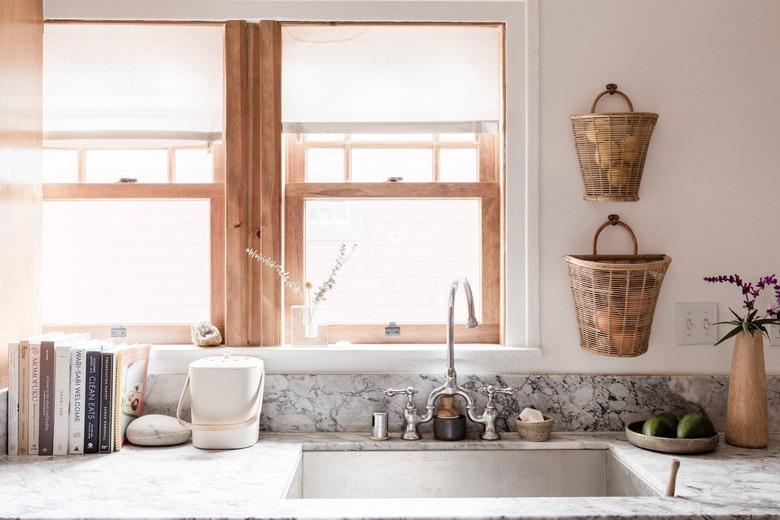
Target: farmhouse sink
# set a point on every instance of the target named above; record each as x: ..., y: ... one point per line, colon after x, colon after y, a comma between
x: 464, y: 474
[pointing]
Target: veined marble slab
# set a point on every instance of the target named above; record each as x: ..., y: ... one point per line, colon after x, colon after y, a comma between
x: 184, y: 482
x: 333, y: 403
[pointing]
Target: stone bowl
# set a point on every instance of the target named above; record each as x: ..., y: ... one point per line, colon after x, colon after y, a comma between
x: 535, y: 431
x: 669, y: 445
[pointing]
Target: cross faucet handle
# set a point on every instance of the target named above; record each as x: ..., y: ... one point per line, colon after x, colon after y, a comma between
x: 409, y: 391
x: 491, y: 392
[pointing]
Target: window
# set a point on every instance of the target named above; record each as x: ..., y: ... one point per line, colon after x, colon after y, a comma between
x: 133, y: 169
x: 397, y: 150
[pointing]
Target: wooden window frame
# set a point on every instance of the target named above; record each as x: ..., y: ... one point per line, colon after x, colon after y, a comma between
x: 214, y: 192
x: 487, y: 189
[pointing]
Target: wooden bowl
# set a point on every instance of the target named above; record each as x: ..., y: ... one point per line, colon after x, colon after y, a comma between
x: 669, y: 445
x: 535, y: 431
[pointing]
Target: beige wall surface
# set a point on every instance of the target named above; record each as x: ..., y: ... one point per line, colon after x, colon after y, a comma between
x: 20, y: 170
x: 709, y: 196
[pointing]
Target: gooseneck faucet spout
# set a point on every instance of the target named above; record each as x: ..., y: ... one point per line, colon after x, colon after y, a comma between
x: 413, y: 419
x: 471, y: 323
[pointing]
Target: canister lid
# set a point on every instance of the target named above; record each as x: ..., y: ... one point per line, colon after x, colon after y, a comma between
x: 227, y: 361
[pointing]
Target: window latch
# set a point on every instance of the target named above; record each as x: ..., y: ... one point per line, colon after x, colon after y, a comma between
x: 118, y: 331
x: 395, y: 179
x: 127, y: 180
x: 392, y: 329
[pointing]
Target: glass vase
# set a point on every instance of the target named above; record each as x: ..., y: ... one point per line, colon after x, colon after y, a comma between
x: 307, y: 326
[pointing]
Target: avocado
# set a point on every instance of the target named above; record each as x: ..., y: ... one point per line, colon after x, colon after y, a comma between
x: 657, y: 427
x: 695, y: 426
x: 669, y: 419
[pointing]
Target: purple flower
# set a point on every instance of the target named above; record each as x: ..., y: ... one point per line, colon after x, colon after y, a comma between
x: 751, y: 292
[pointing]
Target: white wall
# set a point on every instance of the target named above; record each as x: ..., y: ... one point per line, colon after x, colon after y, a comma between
x: 709, y: 197
x: 710, y: 68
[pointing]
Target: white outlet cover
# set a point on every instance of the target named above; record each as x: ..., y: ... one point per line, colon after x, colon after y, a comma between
x: 774, y: 335
x: 695, y: 323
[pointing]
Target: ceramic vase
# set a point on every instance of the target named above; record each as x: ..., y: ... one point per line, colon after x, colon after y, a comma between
x: 747, y: 418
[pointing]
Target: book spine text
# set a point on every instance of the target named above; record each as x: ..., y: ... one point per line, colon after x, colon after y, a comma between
x: 77, y: 392
x: 61, y: 399
x: 46, y: 400
x: 34, y: 373
x: 92, y: 403
x: 13, y: 399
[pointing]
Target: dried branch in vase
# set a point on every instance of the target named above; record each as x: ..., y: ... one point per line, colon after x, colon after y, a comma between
x: 276, y: 266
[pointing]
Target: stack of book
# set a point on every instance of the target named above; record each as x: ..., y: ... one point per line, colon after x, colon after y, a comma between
x: 68, y: 394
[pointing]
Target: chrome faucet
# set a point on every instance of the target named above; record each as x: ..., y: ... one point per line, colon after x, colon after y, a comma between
x: 412, y: 418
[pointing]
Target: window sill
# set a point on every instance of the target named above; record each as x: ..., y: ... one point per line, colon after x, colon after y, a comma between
x: 358, y: 359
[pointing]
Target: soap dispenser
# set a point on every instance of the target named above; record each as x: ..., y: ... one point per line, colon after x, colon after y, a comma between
x: 448, y: 423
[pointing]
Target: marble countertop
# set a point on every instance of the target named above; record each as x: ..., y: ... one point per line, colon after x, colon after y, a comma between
x: 184, y: 482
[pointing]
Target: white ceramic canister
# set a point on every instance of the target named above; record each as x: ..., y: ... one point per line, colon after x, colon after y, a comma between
x: 226, y: 400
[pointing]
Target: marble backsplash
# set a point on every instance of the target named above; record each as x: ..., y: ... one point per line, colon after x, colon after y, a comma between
x: 324, y: 403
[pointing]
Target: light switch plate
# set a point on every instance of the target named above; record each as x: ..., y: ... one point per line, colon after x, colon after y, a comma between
x: 774, y: 335
x: 696, y: 323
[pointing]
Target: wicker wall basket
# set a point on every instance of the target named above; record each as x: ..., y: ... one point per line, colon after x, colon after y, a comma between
x: 611, y: 149
x: 615, y: 297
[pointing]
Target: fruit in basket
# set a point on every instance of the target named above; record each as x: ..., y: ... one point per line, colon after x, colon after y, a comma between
x: 619, y: 175
x: 622, y: 341
x: 607, y: 321
x: 695, y: 426
x: 630, y: 146
x: 597, y: 129
x: 607, y: 154
x: 658, y: 427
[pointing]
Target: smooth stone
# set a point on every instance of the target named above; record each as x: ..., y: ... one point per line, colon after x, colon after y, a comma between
x: 157, y: 430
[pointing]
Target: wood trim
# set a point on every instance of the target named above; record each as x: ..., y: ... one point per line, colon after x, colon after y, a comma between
x: 488, y: 158
x: 21, y: 56
x: 81, y: 161
x: 136, y: 22
x: 266, y: 204
x: 393, y: 190
x: 491, y: 259
x: 294, y: 251
x: 171, y: 173
x: 295, y: 158
x: 217, y: 246
x: 413, y: 333
x: 237, y: 161
x: 132, y: 191
x: 399, y: 145
x: 218, y: 162
x: 174, y: 334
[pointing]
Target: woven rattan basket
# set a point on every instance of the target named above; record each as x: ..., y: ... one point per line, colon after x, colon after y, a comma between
x: 615, y: 297
x: 611, y: 149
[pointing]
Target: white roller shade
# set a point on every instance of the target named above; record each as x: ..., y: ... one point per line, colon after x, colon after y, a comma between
x: 129, y: 82
x: 407, y: 76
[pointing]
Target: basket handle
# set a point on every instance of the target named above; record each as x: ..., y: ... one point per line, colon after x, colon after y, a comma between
x: 611, y: 89
x: 614, y: 220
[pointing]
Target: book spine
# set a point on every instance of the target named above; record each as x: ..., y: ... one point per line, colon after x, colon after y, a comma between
x: 46, y: 406
x: 34, y: 373
x: 24, y: 392
x: 118, y: 435
x: 92, y: 406
x: 61, y: 399
x: 106, y: 400
x: 77, y: 392
x: 13, y: 399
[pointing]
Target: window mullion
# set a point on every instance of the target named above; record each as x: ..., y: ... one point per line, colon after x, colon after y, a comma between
x: 171, y: 165
x: 81, y: 165
x: 348, y: 158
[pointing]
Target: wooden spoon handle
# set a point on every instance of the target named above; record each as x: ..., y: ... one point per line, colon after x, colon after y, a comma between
x: 671, y: 485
